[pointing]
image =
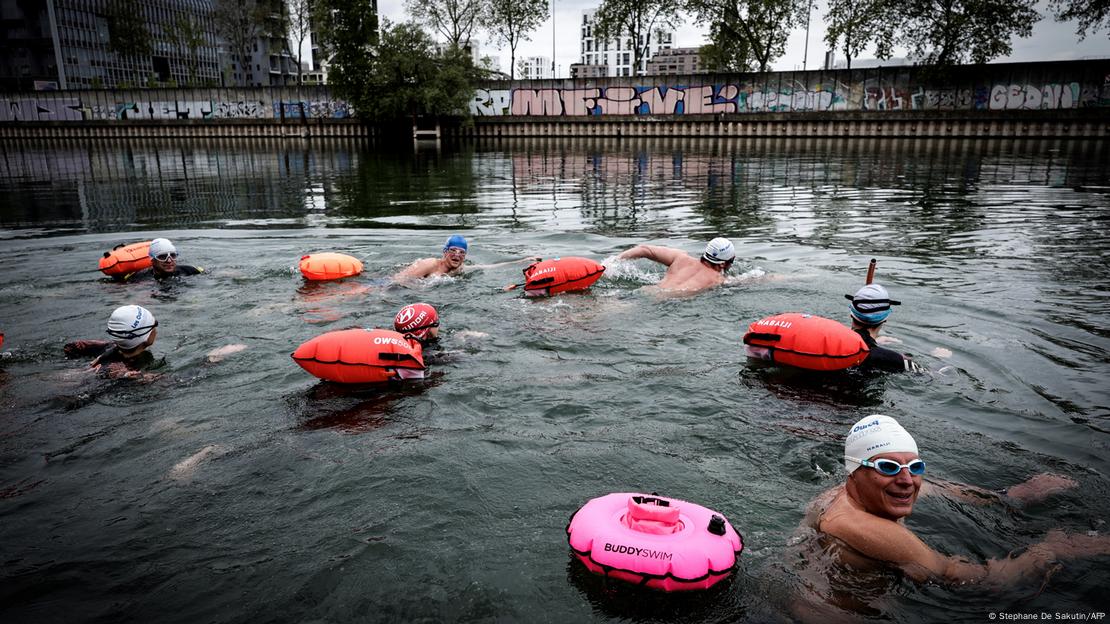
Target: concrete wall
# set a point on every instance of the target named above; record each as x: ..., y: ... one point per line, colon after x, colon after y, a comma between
x: 1059, y: 99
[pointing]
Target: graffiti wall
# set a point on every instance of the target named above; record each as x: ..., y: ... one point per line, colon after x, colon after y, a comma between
x: 180, y: 104
x: 1004, y: 87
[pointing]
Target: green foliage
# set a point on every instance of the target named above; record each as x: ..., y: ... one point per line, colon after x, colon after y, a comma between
x: 748, y: 34
x: 400, y: 73
x: 1091, y: 15
x: 348, y: 32
x: 859, y: 23
x: 510, y: 21
x: 638, y: 19
x: 128, y: 36
x: 962, y: 31
x: 186, y: 34
x: 453, y: 19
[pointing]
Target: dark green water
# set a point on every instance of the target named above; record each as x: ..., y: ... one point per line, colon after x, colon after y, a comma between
x: 447, y: 501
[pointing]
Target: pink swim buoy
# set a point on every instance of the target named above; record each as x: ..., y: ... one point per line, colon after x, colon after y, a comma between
x: 657, y: 542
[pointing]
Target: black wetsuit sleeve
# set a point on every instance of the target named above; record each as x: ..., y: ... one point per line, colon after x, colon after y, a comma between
x: 186, y: 269
x: 887, y: 359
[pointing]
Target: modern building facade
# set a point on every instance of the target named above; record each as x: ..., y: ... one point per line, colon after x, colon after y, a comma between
x: 69, y: 44
x: 91, y: 44
x: 675, y: 62
x: 533, y: 68
x: 582, y: 70
x: 618, y: 55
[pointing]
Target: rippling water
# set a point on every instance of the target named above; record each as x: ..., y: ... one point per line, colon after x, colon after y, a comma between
x: 245, y: 491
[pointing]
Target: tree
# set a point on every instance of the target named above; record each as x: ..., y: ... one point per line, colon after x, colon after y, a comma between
x: 347, y: 32
x: 638, y: 20
x: 747, y: 34
x: 950, y: 32
x: 410, y: 76
x: 1092, y: 15
x: 187, y: 35
x: 510, y: 21
x: 453, y: 19
x: 240, y: 23
x: 299, y: 26
x: 128, y: 36
x: 859, y: 23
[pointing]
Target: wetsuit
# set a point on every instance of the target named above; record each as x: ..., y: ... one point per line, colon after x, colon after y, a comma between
x: 881, y: 358
x: 107, y: 352
x: 182, y: 269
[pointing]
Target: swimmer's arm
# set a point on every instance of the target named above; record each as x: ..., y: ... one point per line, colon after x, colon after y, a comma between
x: 1033, y: 490
x: 416, y: 270
x: 530, y: 259
x: 662, y: 255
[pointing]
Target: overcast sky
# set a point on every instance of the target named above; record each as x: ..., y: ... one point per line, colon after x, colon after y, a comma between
x: 1050, y: 41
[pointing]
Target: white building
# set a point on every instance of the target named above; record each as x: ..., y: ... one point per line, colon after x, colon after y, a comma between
x: 618, y: 54
x: 533, y: 68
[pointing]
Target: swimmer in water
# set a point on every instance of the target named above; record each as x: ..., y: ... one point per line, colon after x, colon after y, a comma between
x: 870, y: 307
x: 685, y: 273
x: 419, y: 322
x: 450, y: 263
x: 163, y: 263
x: 866, y: 515
x: 133, y: 330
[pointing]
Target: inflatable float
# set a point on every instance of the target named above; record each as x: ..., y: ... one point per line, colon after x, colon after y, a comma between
x: 329, y: 266
x: 805, y: 341
x: 124, y: 259
x: 359, y: 355
x: 657, y: 542
x: 559, y: 275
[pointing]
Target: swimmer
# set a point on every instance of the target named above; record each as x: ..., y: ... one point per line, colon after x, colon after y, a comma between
x: 163, y: 263
x: 685, y: 273
x: 133, y: 330
x: 419, y: 322
x: 867, y: 514
x: 450, y: 263
x: 870, y: 308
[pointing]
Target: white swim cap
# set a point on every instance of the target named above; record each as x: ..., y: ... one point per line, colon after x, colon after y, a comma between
x: 871, y: 304
x: 874, y: 435
x: 161, y: 246
x: 129, y: 326
x: 719, y: 251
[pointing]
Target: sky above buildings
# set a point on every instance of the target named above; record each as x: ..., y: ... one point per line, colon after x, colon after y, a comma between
x: 1051, y: 40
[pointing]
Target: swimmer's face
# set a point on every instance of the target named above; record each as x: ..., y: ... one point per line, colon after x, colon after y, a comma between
x: 888, y: 497
x: 432, y: 334
x: 454, y: 256
x: 165, y: 263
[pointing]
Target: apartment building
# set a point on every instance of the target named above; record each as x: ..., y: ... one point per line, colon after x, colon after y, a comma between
x: 618, y: 54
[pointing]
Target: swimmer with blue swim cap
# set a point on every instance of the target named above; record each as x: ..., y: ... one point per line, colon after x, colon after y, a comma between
x: 450, y: 263
x: 870, y: 307
x: 886, y: 474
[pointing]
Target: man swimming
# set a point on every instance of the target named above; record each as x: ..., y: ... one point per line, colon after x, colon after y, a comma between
x: 133, y: 330
x: 870, y: 307
x: 866, y: 515
x: 450, y: 263
x: 163, y: 263
x: 685, y: 273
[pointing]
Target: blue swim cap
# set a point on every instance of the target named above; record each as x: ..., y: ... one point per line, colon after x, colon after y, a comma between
x: 871, y: 304
x: 455, y: 241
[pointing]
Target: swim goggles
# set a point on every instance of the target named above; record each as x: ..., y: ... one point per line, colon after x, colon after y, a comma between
x: 889, y: 467
x: 455, y: 251
x: 129, y: 334
x: 166, y: 256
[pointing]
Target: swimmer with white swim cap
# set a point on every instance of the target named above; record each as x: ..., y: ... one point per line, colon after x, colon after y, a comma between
x: 870, y: 307
x: 867, y: 513
x: 163, y: 263
x: 133, y: 330
x: 450, y: 263
x: 685, y: 273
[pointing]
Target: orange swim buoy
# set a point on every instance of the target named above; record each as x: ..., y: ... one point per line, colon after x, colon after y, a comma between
x: 329, y: 266
x: 124, y: 259
x: 805, y: 341
x: 559, y: 275
x: 359, y: 355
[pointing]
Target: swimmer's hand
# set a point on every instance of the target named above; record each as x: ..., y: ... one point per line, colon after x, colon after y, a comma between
x: 941, y: 352
x: 885, y: 340
x: 216, y: 355
x: 511, y: 287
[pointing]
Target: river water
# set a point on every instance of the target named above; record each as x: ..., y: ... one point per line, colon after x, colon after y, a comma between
x: 244, y: 490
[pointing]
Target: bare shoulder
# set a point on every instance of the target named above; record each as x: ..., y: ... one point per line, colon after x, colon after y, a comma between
x: 419, y: 268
